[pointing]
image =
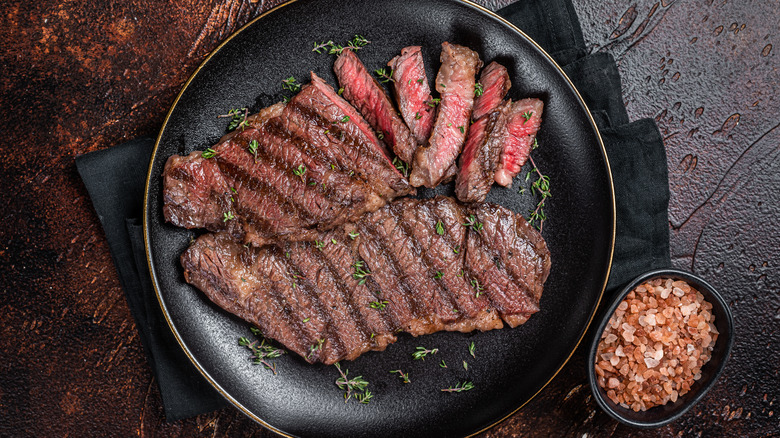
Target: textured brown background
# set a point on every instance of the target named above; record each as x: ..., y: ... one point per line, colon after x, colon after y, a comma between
x: 78, y: 76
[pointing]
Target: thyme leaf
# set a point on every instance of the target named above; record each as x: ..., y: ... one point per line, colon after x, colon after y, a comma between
x: 478, y: 90
x: 422, y: 352
x: 460, y: 387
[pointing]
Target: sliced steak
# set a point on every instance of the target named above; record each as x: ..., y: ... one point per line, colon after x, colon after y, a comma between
x: 371, y: 99
x: 415, y: 265
x: 310, y: 165
x: 522, y: 126
x: 478, y: 162
x: 455, y: 83
x: 509, y: 259
x: 413, y: 94
x: 495, y: 85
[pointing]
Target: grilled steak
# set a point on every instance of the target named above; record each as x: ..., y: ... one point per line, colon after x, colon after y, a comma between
x: 435, y: 162
x: 495, y: 84
x: 368, y: 96
x: 411, y: 265
x: 522, y: 125
x: 312, y: 164
x: 412, y: 93
x: 479, y: 159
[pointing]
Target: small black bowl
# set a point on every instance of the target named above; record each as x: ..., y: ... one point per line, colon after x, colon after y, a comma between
x: 661, y: 415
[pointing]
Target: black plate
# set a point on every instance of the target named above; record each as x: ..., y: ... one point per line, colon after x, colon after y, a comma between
x: 511, y: 365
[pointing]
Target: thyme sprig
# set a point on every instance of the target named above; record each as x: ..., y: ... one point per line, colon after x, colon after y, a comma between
x: 228, y: 216
x: 439, y: 228
x: 355, y: 386
x: 237, y: 118
x: 404, y: 376
x: 384, y: 75
x: 379, y: 305
x: 315, y: 347
x: 262, y: 351
x: 291, y: 84
x: 209, y: 153
x: 252, y: 147
x: 477, y: 287
x: 401, y: 166
x: 527, y: 116
x: 473, y: 223
x: 542, y: 186
x: 332, y: 48
x: 432, y: 102
x: 460, y: 387
x: 422, y: 353
x: 472, y: 349
x: 361, y: 272
x: 353, y: 234
x: 478, y: 89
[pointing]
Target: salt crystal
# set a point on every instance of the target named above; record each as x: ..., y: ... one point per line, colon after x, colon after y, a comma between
x: 614, y: 360
x: 629, y: 337
x: 665, y: 293
x: 659, y: 354
x: 611, y: 338
x: 650, y: 319
x: 678, y: 292
x: 619, y: 351
x: 613, y: 382
x: 651, y: 362
x: 674, y: 396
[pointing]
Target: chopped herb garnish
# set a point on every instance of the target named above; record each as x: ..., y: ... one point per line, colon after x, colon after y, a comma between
x: 417, y: 116
x: 462, y: 129
x: 307, y: 319
x: 473, y: 223
x: 333, y: 241
x: 477, y: 287
x: 456, y: 250
x: 355, y: 386
x: 344, y: 119
x: 353, y: 234
x: 422, y: 352
x: 535, y: 144
x: 438, y: 275
x: 439, y: 228
x: 465, y: 365
x: 341, y: 91
x: 527, y: 116
x: 253, y: 148
x: 404, y: 376
x: 361, y: 273
x: 384, y: 75
x: 443, y: 364
x: 433, y: 102
x: 319, y: 244
x: 379, y: 305
x: 209, y: 153
x: 478, y: 90
x: 401, y: 166
x: 316, y: 347
x: 228, y: 216
x: 291, y: 84
x: 420, y: 81
x: 300, y: 170
x: 460, y: 387
x: 471, y: 349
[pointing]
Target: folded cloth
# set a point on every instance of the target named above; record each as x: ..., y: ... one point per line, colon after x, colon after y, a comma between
x: 115, y: 179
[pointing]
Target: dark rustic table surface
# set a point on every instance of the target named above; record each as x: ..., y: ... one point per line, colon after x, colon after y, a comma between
x: 81, y: 76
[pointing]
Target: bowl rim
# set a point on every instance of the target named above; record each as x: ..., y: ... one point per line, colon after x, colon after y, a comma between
x: 729, y: 333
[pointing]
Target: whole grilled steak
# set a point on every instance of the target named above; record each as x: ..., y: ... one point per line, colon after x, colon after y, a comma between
x: 311, y: 164
x: 522, y: 125
x: 435, y: 163
x: 371, y: 99
x: 495, y: 83
x: 413, y: 93
x: 418, y: 266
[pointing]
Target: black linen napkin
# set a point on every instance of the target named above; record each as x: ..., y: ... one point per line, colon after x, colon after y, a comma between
x: 115, y: 179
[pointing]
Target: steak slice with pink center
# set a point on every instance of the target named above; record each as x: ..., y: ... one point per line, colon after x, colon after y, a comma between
x: 371, y: 99
x: 413, y: 93
x: 455, y: 83
x: 522, y: 126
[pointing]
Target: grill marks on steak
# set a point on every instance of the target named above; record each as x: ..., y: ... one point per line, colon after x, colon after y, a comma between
x: 522, y: 126
x: 413, y: 94
x: 306, y: 296
x: 311, y: 164
x: 371, y: 99
x: 435, y: 163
